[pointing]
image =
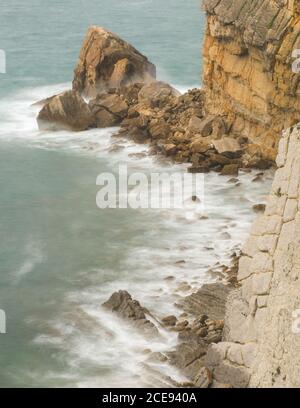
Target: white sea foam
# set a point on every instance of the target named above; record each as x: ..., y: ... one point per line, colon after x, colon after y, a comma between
x: 33, y: 256
x: 157, y: 275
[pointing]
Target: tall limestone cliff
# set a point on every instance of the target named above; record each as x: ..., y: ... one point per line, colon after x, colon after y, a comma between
x: 249, y: 80
x: 261, y: 344
x: 248, y: 72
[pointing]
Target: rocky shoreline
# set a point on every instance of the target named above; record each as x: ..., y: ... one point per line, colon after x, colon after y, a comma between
x: 198, y: 325
x: 250, y: 95
x: 123, y: 91
x: 175, y: 126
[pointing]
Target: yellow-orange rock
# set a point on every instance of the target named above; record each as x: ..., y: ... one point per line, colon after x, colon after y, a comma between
x: 106, y: 61
x: 248, y: 73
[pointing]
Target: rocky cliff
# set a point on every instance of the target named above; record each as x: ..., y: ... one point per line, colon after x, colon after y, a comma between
x: 261, y: 343
x: 249, y: 81
x: 248, y: 74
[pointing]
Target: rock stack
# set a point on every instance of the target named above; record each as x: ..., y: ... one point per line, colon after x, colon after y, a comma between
x: 122, y: 90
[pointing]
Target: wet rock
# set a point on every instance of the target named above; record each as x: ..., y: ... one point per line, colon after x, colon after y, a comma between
x: 170, y: 278
x: 230, y: 170
x: 259, y: 208
x: 67, y: 111
x: 108, y: 109
x: 187, y: 353
x: 169, y: 149
x: 257, y: 179
x: 169, y: 321
x: 127, y: 308
x: 106, y: 61
x: 220, y: 159
x: 182, y: 325
x: 157, y: 357
x: 233, y: 180
x: 199, y: 169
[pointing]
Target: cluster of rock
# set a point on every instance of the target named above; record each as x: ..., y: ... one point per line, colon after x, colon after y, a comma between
x: 122, y: 90
x: 199, y: 325
x: 248, y: 74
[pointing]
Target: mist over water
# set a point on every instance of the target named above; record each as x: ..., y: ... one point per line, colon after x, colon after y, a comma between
x: 60, y: 256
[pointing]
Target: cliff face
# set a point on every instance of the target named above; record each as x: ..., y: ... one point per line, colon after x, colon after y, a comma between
x: 248, y: 73
x: 261, y: 346
x: 250, y: 82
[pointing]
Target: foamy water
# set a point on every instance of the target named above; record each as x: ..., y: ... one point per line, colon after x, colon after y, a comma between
x: 165, y: 257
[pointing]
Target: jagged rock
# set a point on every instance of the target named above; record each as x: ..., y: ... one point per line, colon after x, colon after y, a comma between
x: 127, y: 308
x: 106, y: 61
x: 157, y: 94
x: 203, y: 127
x: 108, y: 109
x: 67, y: 111
x: 200, y: 145
x: 159, y: 129
x: 169, y: 320
x: 227, y: 145
x: 263, y: 100
x: 230, y: 170
x: 186, y: 353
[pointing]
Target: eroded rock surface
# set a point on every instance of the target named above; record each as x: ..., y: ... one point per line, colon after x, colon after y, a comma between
x: 106, y: 61
x: 261, y: 336
x: 210, y: 300
x: 67, y: 111
x: 127, y: 308
x: 248, y: 74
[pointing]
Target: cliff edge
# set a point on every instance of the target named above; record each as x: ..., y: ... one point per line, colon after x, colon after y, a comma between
x: 248, y: 74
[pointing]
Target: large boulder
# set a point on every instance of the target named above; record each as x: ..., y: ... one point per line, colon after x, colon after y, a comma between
x: 67, y: 111
x: 108, y: 109
x: 227, y: 145
x: 106, y: 61
x: 157, y: 94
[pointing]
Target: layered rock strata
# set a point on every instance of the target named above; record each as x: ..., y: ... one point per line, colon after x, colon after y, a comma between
x: 261, y: 341
x: 248, y: 75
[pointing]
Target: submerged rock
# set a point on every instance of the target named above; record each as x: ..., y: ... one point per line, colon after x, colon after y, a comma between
x: 106, y: 61
x: 67, y: 111
x: 127, y: 308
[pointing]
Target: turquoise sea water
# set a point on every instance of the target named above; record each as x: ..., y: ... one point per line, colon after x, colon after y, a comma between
x: 60, y: 256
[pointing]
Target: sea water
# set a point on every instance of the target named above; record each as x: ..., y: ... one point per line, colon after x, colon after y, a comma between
x: 61, y: 257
